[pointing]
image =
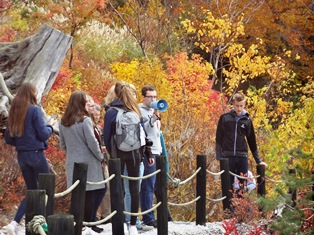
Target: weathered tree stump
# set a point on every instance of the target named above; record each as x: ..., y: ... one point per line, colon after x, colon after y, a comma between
x: 36, y: 59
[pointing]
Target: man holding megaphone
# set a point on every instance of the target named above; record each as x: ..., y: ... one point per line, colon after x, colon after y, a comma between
x: 150, y: 111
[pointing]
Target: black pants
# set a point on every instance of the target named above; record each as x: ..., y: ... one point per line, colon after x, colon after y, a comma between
x: 133, y: 167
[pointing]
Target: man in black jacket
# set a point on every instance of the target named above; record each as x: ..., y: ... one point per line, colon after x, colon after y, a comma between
x: 234, y: 133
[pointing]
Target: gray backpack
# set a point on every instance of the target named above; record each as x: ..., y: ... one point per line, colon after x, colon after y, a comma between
x: 130, y: 134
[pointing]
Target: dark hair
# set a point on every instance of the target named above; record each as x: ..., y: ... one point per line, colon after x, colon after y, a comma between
x: 25, y: 96
x: 75, y: 110
x: 147, y: 88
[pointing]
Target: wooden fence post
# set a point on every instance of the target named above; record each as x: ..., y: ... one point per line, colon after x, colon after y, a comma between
x: 225, y: 183
x: 78, y: 196
x: 47, y: 183
x: 161, y: 195
x: 116, y: 197
x: 60, y: 225
x: 35, y: 205
x: 201, y: 190
x: 261, y: 186
x: 293, y: 192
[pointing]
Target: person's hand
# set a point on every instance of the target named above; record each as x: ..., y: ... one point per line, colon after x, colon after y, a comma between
x: 156, y: 114
x: 52, y: 121
x: 151, y: 161
x: 263, y: 164
x: 104, y: 149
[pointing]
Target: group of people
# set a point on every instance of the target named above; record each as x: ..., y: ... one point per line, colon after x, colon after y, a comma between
x: 85, y: 141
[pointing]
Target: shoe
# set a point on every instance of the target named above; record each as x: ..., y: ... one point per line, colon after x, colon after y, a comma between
x: 139, y: 226
x: 12, y: 228
x: 126, y: 229
x: 152, y: 223
x: 88, y: 231
x: 133, y: 230
x: 97, y: 229
x: 146, y: 227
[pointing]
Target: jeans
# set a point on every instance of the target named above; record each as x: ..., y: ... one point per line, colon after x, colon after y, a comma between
x: 127, y: 194
x: 31, y: 163
x: 147, y: 190
x: 238, y: 165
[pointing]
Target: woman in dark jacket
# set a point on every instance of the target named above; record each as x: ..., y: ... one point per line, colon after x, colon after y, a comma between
x: 125, y: 100
x: 28, y: 132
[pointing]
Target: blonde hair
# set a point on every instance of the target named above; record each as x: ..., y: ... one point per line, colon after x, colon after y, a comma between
x: 111, y: 95
x: 124, y: 92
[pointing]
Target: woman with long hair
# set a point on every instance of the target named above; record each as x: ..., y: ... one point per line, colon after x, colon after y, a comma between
x: 125, y: 100
x: 29, y: 133
x: 78, y: 140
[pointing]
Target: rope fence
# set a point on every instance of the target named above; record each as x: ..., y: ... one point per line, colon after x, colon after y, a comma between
x: 44, y: 197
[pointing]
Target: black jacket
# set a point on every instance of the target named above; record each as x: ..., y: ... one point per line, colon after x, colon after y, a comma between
x: 232, y: 136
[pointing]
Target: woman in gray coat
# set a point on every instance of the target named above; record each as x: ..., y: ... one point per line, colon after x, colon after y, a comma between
x: 77, y: 139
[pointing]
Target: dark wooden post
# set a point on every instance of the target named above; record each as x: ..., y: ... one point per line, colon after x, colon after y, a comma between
x: 312, y: 186
x: 78, y: 196
x: 47, y: 182
x: 161, y: 195
x: 261, y: 186
x: 293, y: 192
x: 201, y: 190
x: 116, y: 197
x: 225, y: 183
x: 35, y: 205
x: 60, y: 225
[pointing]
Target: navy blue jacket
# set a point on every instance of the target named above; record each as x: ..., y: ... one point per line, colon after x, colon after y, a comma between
x: 36, y: 132
x: 110, y: 123
x: 233, y: 134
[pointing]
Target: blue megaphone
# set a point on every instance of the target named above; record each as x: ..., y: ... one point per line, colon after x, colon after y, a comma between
x: 160, y: 105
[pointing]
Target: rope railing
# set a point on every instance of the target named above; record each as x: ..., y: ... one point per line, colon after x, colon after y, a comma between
x: 216, y: 200
x: 177, y: 182
x: 274, y: 181
x: 142, y: 177
x: 35, y: 225
x: 242, y: 177
x: 70, y: 189
x: 201, y: 172
x: 215, y: 174
x: 184, y: 204
x: 143, y: 212
x: 100, y: 221
x: 101, y: 182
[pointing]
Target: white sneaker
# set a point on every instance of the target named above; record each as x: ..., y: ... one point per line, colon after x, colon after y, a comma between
x: 145, y: 227
x: 126, y: 229
x: 133, y: 230
x: 12, y: 228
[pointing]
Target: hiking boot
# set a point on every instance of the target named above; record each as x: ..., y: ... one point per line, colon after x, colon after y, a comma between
x: 152, y: 223
x: 97, y: 229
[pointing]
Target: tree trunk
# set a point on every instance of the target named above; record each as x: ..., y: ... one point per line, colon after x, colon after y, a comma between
x: 36, y: 59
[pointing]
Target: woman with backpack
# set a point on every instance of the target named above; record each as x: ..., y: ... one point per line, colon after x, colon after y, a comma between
x: 131, y: 159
